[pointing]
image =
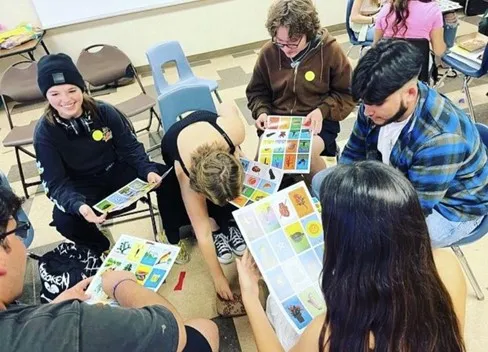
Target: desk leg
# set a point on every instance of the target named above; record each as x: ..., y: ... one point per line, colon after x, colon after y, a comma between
x: 31, y: 55
x: 44, y: 47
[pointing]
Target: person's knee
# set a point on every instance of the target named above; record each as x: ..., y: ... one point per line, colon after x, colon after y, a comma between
x: 208, y: 329
x: 318, y: 146
x: 64, y: 222
x: 317, y: 181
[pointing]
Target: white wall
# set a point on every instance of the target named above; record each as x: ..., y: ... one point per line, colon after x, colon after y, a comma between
x: 200, y: 26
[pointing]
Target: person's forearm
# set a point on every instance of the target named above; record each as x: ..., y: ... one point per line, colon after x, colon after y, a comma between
x: 130, y: 294
x: 207, y: 247
x: 264, y: 335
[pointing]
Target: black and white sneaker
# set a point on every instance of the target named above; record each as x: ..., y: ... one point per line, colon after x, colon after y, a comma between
x: 236, y: 241
x: 224, y: 252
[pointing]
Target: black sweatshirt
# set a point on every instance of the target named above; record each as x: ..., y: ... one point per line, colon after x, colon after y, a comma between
x: 63, y: 157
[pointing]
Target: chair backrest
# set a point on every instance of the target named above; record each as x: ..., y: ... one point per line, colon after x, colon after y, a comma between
x: 483, y: 130
x: 19, y: 83
x: 423, y: 45
x: 182, y: 99
x: 104, y: 66
x: 163, y: 53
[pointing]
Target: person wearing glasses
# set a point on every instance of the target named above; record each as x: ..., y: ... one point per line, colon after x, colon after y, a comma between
x: 302, y: 71
x: 145, y: 321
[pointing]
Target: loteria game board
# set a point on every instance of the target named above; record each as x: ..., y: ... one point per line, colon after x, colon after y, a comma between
x: 149, y: 261
x: 286, y: 144
x: 260, y: 181
x: 285, y: 236
x: 125, y: 196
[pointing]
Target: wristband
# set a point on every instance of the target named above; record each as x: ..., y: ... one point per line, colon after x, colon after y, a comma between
x: 117, y: 285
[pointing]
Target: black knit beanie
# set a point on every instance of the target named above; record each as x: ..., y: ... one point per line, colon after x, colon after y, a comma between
x: 57, y: 69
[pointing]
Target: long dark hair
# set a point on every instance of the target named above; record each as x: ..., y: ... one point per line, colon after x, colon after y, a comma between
x: 400, y: 8
x: 379, y: 280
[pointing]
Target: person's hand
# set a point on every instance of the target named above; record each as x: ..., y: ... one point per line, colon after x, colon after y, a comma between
x: 248, y: 275
x: 111, y: 278
x: 223, y: 289
x: 75, y: 292
x: 153, y: 178
x: 87, y: 212
x: 314, y: 120
x: 262, y: 121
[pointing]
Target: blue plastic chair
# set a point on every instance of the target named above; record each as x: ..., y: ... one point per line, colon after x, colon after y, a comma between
x: 170, y: 51
x: 21, y: 215
x: 469, y: 73
x: 178, y: 100
x: 477, y: 234
x: 352, y: 36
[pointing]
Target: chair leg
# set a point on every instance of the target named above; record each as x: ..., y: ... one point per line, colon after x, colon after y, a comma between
x: 153, y: 220
x: 218, y: 96
x: 21, y: 172
x: 467, y: 270
x: 467, y: 79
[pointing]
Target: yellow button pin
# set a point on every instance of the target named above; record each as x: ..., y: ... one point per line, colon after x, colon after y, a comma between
x: 309, y: 76
x: 97, y: 135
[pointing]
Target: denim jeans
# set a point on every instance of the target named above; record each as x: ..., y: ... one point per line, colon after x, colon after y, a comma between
x: 450, y: 30
x: 442, y: 232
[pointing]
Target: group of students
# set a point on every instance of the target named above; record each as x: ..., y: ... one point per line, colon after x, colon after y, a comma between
x: 412, y: 177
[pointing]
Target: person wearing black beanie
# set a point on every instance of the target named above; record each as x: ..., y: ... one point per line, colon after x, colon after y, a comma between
x: 85, y: 151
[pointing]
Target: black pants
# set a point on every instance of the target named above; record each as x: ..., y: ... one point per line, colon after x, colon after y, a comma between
x: 73, y: 226
x: 173, y: 211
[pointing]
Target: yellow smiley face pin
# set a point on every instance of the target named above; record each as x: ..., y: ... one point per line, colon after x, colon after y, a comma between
x: 97, y: 135
x: 309, y: 76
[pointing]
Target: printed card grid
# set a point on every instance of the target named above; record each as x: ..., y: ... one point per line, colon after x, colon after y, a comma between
x: 149, y: 261
x: 284, y: 234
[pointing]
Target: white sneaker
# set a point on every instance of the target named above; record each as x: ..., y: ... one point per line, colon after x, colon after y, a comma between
x: 224, y: 252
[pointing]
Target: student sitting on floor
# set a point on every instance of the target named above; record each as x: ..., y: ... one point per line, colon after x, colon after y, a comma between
x: 85, y: 151
x: 424, y: 135
x: 302, y: 71
x: 384, y: 287
x: 144, y: 322
x: 204, y: 149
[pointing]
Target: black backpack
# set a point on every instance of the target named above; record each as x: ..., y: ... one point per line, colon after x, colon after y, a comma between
x: 64, y: 267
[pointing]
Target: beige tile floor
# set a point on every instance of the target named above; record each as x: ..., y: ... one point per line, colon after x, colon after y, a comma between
x: 40, y: 208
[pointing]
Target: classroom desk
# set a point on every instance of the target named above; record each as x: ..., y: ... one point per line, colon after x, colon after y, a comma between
x: 26, y: 48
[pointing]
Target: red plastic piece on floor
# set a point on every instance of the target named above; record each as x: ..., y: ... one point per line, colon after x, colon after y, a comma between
x: 179, y: 285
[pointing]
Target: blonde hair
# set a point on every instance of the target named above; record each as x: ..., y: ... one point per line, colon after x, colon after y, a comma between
x: 299, y: 16
x: 216, y: 173
x: 89, y: 105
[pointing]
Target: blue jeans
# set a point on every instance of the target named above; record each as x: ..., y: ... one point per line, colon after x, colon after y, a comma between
x: 442, y: 232
x: 369, y: 34
x: 450, y: 31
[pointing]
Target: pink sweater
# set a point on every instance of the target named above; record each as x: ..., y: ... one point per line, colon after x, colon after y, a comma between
x: 422, y: 19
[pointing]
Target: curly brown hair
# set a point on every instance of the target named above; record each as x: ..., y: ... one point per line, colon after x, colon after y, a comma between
x: 216, y: 173
x: 299, y: 16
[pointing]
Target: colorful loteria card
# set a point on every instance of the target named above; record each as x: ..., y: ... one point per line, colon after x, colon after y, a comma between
x: 260, y: 180
x: 149, y: 261
x: 285, y: 235
x: 127, y: 195
x: 286, y: 144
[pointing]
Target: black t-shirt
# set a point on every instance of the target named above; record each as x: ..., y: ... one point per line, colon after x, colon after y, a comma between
x: 74, y: 326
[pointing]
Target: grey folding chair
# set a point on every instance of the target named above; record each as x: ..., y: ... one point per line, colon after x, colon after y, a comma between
x: 102, y: 64
x: 18, y: 85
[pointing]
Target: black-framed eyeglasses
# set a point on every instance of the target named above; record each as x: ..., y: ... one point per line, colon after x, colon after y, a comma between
x: 20, y: 231
x: 289, y: 46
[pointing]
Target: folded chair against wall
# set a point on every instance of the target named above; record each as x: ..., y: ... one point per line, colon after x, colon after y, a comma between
x: 171, y: 51
x: 469, y: 72
x: 18, y: 85
x: 102, y: 64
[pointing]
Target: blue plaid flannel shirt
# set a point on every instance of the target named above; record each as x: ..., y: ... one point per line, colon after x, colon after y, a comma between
x: 439, y: 150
